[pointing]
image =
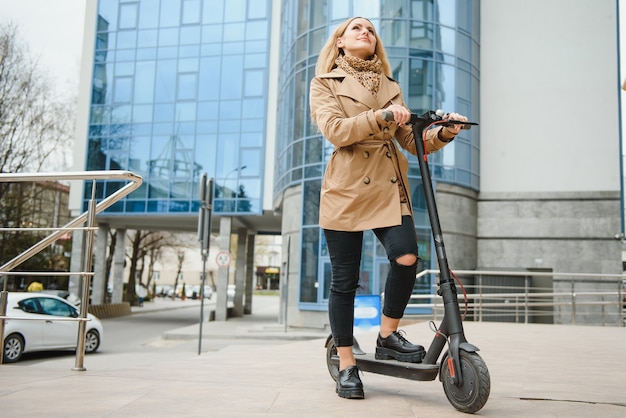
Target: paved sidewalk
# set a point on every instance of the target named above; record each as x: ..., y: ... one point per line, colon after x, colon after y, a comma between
x: 536, y: 371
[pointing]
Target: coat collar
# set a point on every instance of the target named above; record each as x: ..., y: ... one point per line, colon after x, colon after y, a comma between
x: 350, y: 87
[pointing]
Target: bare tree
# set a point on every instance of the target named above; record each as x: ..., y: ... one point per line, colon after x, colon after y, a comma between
x: 35, y: 124
x: 181, y: 260
x: 36, y: 130
x: 148, y: 244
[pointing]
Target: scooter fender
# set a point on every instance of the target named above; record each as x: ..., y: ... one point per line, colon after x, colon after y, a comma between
x: 465, y: 346
x: 356, y: 348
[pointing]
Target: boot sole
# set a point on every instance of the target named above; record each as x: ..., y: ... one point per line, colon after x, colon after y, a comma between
x: 350, y: 393
x: 388, y: 354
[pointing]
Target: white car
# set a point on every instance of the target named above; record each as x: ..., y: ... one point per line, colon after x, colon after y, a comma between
x: 193, y: 292
x: 46, y: 327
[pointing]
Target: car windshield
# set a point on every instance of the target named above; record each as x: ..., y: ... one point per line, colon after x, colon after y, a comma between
x: 50, y: 306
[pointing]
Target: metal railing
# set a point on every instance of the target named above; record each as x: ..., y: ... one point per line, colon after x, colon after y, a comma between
x: 87, y: 219
x: 537, y: 297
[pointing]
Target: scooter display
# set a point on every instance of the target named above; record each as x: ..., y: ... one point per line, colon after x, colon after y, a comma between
x: 463, y: 373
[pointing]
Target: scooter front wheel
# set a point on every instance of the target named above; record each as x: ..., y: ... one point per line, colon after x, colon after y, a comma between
x: 472, y: 395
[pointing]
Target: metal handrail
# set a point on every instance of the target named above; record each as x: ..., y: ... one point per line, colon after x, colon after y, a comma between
x: 481, y: 301
x: 79, y: 175
x: 88, y: 217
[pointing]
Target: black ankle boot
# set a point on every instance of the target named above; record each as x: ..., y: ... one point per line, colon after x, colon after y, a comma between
x: 349, y: 384
x: 395, y: 346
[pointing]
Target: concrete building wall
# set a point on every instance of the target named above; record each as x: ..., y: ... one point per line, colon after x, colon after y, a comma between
x: 550, y: 175
x: 564, y: 232
x: 549, y: 93
x: 457, y: 209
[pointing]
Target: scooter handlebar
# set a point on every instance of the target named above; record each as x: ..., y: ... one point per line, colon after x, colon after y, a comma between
x: 429, y: 117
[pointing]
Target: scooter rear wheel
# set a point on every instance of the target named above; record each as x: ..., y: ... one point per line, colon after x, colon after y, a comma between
x: 333, y: 366
x: 472, y: 395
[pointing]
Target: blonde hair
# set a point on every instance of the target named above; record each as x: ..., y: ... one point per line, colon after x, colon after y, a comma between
x: 330, y: 51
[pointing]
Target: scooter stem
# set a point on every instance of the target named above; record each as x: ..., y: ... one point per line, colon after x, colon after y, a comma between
x: 451, y: 325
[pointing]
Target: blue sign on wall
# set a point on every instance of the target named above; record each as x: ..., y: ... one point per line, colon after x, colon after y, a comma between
x: 366, y: 312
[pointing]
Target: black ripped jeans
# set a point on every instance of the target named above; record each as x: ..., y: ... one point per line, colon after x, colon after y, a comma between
x: 345, y: 258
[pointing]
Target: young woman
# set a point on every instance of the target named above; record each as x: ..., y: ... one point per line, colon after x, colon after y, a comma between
x: 366, y: 186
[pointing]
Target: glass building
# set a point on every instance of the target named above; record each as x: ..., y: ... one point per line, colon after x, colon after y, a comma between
x: 179, y: 88
x: 184, y: 87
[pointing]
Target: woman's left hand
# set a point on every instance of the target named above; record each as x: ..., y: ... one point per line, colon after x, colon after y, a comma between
x: 456, y: 128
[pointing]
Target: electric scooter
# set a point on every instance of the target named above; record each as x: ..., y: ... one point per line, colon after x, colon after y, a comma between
x: 462, y: 371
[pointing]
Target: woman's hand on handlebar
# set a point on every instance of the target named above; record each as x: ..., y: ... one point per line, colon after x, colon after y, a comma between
x: 454, y: 129
x: 401, y: 115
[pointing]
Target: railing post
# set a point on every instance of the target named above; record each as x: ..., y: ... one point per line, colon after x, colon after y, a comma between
x: 84, y: 304
x: 480, y: 298
x: 573, y: 304
x: 526, y: 290
x: 3, y: 312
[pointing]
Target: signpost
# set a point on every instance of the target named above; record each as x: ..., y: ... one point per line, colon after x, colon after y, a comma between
x: 204, y: 236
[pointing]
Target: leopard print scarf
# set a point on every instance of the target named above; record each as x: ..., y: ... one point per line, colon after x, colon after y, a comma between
x: 367, y: 72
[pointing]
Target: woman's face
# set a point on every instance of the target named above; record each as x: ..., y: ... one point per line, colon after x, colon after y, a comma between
x: 358, y: 39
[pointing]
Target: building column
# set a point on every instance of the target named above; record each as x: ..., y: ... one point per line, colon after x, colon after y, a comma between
x: 247, y: 308
x: 98, y: 285
x: 240, y: 273
x: 221, y: 304
x: 118, y: 266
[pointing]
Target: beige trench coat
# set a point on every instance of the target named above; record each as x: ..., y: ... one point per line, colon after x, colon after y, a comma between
x: 360, y: 186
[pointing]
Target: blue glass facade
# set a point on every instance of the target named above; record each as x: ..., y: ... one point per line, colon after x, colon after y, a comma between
x: 433, y: 49
x: 180, y: 88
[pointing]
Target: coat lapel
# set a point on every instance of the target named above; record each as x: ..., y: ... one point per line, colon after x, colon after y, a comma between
x: 388, y: 90
x: 350, y: 87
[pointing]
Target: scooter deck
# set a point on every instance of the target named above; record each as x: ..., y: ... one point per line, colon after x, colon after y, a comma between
x: 412, y: 371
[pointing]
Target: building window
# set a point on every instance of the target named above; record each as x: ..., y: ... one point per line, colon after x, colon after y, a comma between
x: 191, y: 12
x: 122, y: 89
x: 128, y: 16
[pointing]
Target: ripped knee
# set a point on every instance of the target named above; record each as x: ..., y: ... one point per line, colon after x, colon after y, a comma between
x: 407, y: 260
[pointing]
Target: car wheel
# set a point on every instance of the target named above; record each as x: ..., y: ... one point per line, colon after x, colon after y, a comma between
x: 92, y: 341
x: 13, y: 348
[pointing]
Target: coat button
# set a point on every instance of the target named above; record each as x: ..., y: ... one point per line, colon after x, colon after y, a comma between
x: 366, y: 180
x: 393, y: 179
x: 388, y: 154
x: 366, y: 154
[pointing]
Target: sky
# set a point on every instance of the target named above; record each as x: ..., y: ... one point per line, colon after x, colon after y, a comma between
x: 52, y: 30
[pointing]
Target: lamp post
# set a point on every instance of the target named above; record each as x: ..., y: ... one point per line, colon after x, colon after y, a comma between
x: 234, y: 193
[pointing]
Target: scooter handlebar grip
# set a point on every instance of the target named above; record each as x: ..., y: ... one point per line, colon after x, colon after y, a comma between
x: 387, y: 115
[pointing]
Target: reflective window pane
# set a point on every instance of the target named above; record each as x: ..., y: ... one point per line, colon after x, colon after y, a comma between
x: 235, y: 10
x: 122, y: 90
x: 367, y: 8
x: 191, y: 12
x: 257, y: 9
x: 187, y: 86
x: 128, y: 16
x: 446, y: 12
x: 254, y: 83
x: 251, y: 159
x: 170, y: 13
x: 309, y: 264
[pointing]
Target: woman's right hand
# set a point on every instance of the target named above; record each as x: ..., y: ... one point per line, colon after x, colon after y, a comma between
x: 401, y: 115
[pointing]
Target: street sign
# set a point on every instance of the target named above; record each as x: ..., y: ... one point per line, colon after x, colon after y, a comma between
x: 223, y: 259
